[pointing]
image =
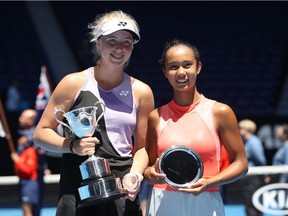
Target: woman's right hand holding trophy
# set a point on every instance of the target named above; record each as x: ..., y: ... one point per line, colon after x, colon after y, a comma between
x: 84, y: 146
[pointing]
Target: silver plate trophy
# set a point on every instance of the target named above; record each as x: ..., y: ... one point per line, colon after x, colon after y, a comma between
x: 181, y: 165
x: 98, y: 184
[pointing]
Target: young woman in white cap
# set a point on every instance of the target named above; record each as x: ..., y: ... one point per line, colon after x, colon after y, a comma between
x: 128, y: 102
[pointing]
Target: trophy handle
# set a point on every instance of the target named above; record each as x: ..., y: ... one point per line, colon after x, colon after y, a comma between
x: 59, y: 121
x: 103, y: 108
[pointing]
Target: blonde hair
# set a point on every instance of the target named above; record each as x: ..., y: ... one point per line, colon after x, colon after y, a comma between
x: 248, y: 125
x: 101, y: 19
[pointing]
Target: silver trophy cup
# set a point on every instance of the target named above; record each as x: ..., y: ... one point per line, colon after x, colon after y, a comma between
x: 98, y: 184
x: 82, y: 121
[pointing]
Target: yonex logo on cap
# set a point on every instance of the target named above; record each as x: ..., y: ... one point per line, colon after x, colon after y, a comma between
x: 116, y: 25
x: 122, y: 23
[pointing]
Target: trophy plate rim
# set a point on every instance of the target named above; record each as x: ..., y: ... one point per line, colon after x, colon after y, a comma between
x: 193, y: 157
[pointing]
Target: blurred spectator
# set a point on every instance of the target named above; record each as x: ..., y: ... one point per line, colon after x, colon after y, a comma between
x: 26, y: 163
x: 281, y: 156
x: 253, y: 145
x: 256, y: 157
x: 267, y: 134
x: 30, y: 165
x: 12, y: 106
x: 13, y: 97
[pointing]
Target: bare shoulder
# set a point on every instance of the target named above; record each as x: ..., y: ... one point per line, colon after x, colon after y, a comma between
x: 224, y: 115
x: 222, y: 109
x: 74, y: 79
x: 68, y: 87
x: 140, y: 86
x: 143, y: 94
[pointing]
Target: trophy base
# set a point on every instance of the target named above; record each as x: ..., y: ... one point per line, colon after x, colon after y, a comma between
x: 99, y: 191
x: 100, y: 199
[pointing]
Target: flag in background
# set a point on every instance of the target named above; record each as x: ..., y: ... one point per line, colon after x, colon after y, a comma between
x: 44, y: 90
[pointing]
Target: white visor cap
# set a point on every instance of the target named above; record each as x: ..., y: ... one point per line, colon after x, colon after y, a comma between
x: 116, y: 25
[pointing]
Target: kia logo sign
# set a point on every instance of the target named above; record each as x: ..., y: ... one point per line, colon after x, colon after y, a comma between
x: 272, y: 199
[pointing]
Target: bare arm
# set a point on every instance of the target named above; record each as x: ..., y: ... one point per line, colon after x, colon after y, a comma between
x: 151, y: 173
x: 228, y: 130
x: 145, y: 106
x: 151, y: 144
x: 229, y: 134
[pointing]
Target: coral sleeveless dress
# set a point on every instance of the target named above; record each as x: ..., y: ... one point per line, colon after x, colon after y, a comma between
x: 192, y: 126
